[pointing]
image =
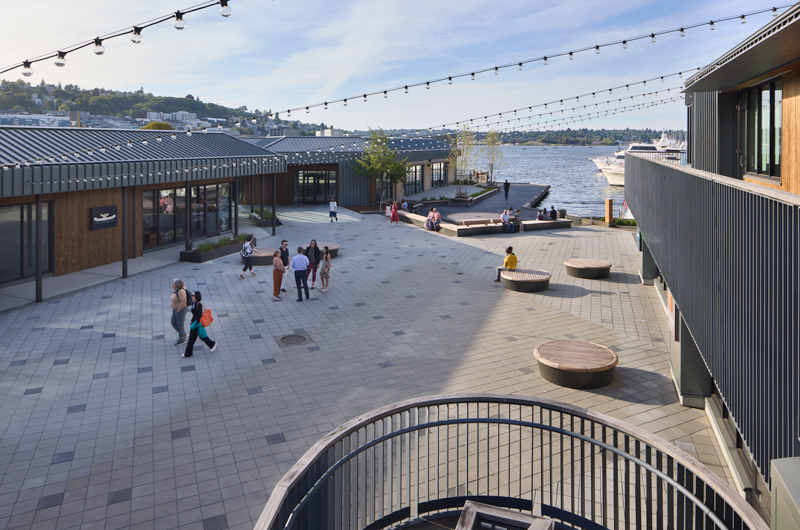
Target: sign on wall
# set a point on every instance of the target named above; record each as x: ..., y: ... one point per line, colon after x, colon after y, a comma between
x: 104, y: 217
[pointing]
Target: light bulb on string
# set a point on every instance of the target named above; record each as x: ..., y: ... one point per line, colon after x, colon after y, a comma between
x: 597, y: 50
x: 496, y: 71
x: 520, y: 66
x: 385, y: 94
x: 712, y: 27
x: 744, y: 20
x: 774, y: 11
x: 27, y: 71
x: 98, y: 49
x: 545, y: 60
x: 624, y: 45
x: 224, y: 9
x: 179, y: 22
x: 188, y: 133
x: 406, y: 89
x: 325, y: 106
x: 683, y: 33
x: 344, y: 102
x: 652, y: 37
x: 307, y: 111
x: 473, y: 76
x: 427, y: 85
x: 365, y: 98
x: 136, y: 35
x: 61, y: 59
x: 571, y: 56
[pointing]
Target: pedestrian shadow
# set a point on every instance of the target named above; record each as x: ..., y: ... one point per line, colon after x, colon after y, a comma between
x: 635, y: 385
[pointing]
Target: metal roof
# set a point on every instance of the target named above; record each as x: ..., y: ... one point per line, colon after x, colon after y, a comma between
x: 66, y: 145
x: 349, y: 144
x: 773, y: 46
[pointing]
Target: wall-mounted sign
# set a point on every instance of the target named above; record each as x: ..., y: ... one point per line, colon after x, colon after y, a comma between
x: 104, y: 217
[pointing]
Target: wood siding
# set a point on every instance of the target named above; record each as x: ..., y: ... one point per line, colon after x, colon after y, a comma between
x: 284, y: 187
x: 790, y: 143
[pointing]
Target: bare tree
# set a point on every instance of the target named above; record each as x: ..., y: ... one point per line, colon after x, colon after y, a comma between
x: 464, y: 153
x: 494, y: 155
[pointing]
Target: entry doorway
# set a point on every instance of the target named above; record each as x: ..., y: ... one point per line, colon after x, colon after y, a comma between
x: 314, y: 186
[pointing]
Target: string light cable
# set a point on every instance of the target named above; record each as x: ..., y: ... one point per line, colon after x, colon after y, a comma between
x: 544, y: 59
x: 135, y: 32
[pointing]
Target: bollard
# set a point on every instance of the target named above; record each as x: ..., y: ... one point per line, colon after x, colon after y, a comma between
x: 610, y: 211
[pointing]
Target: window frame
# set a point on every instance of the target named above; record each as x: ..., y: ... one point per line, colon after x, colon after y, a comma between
x: 761, y: 157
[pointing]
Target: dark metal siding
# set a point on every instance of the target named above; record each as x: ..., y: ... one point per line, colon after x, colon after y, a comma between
x: 713, y: 136
x: 730, y: 254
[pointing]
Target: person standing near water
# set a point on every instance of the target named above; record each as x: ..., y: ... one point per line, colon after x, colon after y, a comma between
x: 506, y: 187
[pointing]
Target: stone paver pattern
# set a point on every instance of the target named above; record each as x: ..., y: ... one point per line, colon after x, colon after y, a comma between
x: 104, y: 425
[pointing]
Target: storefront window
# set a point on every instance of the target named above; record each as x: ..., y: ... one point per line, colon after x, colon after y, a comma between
x: 438, y: 173
x: 314, y: 187
x: 18, y: 233
x: 164, y: 214
x: 413, y: 181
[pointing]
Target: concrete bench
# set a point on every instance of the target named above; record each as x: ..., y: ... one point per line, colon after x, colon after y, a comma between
x: 576, y: 363
x: 473, y: 222
x: 588, y: 268
x: 526, y: 280
x: 333, y: 247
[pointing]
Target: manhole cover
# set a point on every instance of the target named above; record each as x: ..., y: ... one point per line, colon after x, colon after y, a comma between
x: 293, y: 339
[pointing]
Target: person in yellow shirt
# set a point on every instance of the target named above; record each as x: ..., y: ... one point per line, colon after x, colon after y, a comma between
x: 509, y: 263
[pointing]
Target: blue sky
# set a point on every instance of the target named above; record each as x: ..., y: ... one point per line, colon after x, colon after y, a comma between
x: 276, y: 54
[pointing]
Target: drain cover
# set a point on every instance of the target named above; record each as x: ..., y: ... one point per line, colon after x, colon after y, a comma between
x: 293, y: 339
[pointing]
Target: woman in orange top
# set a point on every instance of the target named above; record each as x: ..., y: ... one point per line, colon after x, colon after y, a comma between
x: 278, y: 269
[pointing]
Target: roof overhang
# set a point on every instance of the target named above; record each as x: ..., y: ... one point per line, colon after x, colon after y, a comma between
x: 772, y: 47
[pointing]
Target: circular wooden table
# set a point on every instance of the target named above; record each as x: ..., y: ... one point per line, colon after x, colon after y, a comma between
x: 588, y: 268
x: 576, y: 363
x: 526, y: 280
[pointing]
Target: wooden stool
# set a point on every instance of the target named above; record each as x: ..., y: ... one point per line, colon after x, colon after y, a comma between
x: 588, y: 268
x: 575, y: 363
x: 526, y: 280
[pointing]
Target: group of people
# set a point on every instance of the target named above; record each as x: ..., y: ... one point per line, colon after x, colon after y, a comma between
x: 434, y: 220
x: 511, y: 224
x: 183, y: 302
x: 544, y: 215
x: 307, y: 262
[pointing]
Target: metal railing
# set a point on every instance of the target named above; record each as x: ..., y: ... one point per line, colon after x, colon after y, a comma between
x: 428, y: 456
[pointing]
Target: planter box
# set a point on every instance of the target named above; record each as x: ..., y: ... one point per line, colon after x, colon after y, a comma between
x: 192, y: 256
x: 263, y: 223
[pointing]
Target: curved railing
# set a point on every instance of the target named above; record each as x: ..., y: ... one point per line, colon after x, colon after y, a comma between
x: 429, y: 455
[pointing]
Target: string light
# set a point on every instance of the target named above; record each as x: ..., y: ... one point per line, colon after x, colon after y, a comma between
x: 624, y: 45
x: 744, y: 20
x: 545, y: 60
x: 179, y: 22
x: 652, y: 37
x: 520, y: 69
x: 712, y: 26
x: 224, y: 9
x: 571, y: 56
x: 136, y: 36
x: 61, y: 59
x: 597, y: 50
x: 98, y: 49
x: 27, y: 71
x: 683, y: 33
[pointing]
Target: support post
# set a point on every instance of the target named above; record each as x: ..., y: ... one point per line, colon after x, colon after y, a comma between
x: 124, y: 232
x: 610, y: 211
x: 648, y: 270
x: 39, y: 251
x: 252, y: 193
x: 187, y: 217
x: 262, y: 195
x: 235, y: 207
x: 274, y: 213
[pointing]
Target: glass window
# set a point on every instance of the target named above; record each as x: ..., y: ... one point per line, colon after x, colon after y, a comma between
x: 314, y: 187
x: 438, y: 174
x: 18, y: 233
x: 763, y: 129
x: 413, y: 181
x: 224, y: 207
x: 149, y: 225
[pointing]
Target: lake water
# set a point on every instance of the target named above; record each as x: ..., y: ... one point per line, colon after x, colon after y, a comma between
x: 575, y: 183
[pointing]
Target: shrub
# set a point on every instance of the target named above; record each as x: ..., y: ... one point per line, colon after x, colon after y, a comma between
x: 442, y: 198
x: 266, y: 213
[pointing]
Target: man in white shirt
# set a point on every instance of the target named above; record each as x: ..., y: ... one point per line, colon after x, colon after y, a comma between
x: 332, y: 208
x: 300, y: 264
x: 506, y: 222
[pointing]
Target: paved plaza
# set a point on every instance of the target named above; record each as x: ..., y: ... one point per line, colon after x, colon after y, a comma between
x: 104, y: 425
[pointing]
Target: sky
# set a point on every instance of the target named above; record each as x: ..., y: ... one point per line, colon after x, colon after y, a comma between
x: 278, y: 55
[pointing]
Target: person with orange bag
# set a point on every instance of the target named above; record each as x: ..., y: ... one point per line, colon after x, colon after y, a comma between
x: 196, y: 329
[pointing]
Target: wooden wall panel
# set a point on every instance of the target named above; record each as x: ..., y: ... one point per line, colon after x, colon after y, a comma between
x: 284, y: 186
x: 76, y: 246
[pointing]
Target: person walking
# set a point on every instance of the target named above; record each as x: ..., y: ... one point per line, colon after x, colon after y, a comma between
x: 284, y: 250
x: 509, y: 263
x: 313, y: 254
x: 394, y: 218
x: 196, y: 329
x: 325, y: 268
x: 506, y: 187
x: 300, y: 264
x: 278, y: 269
x: 332, y: 210
x: 179, y: 300
x: 247, y: 253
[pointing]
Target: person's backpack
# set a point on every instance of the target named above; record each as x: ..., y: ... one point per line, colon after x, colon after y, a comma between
x: 188, y: 296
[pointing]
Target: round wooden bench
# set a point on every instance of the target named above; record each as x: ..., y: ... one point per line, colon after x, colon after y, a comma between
x: 588, y: 268
x: 333, y: 247
x: 575, y: 363
x: 526, y: 280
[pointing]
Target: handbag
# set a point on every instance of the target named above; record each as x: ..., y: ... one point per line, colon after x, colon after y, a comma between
x: 206, y: 319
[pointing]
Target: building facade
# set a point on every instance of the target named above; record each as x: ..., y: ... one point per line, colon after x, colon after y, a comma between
x: 69, y: 193
x: 721, y: 240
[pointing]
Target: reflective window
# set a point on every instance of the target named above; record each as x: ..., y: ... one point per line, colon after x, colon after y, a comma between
x: 438, y: 174
x: 413, y: 181
x: 164, y: 214
x: 314, y: 187
x: 18, y: 234
x: 763, y: 129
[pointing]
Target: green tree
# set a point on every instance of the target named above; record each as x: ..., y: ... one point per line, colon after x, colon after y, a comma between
x: 159, y: 125
x: 494, y: 155
x: 379, y: 161
x: 464, y: 152
x: 63, y: 106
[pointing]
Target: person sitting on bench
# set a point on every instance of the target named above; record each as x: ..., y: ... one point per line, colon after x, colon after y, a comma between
x: 509, y: 263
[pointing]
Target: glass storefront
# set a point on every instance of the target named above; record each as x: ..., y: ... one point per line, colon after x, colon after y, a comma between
x: 413, y: 181
x: 438, y: 174
x: 164, y: 214
x: 314, y: 187
x: 18, y: 234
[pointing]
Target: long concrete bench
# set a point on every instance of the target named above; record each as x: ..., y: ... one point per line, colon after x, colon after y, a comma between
x: 480, y: 227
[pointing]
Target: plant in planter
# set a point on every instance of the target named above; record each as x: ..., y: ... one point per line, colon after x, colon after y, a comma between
x: 214, y: 249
